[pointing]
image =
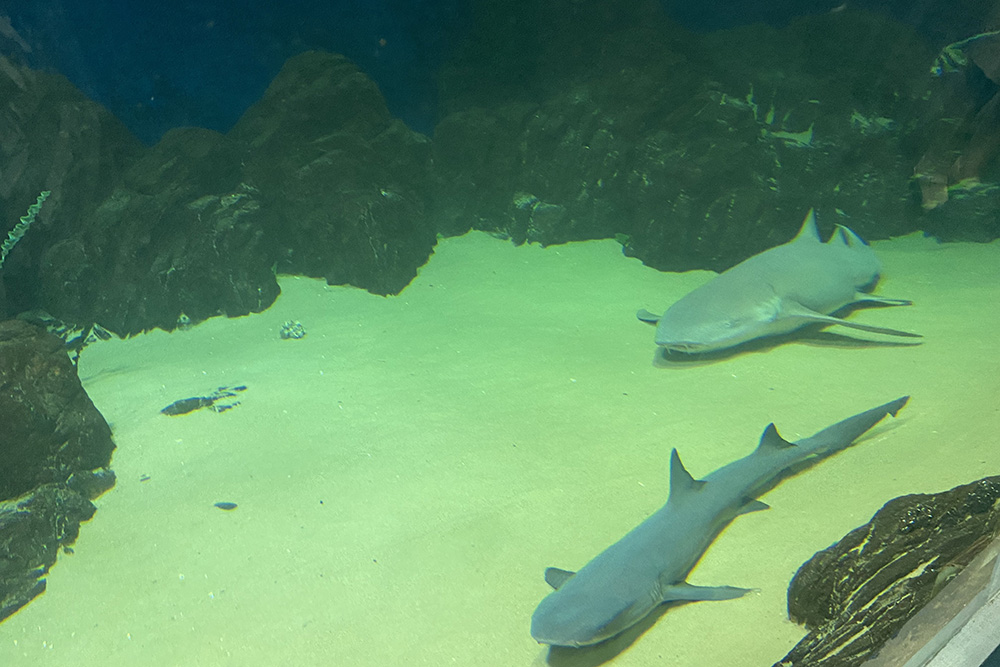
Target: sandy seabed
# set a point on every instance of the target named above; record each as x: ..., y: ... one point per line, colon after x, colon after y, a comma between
x: 405, y: 472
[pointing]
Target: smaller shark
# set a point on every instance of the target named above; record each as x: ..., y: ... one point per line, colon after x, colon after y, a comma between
x: 648, y: 566
x: 775, y: 292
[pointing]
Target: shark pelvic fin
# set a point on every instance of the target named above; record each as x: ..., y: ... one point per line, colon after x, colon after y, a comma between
x: 681, y: 482
x: 647, y: 317
x: 555, y: 577
x: 753, y: 505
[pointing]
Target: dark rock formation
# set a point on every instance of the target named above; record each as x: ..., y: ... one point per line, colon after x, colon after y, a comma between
x: 858, y: 593
x: 181, y: 234
x: 34, y: 528
x: 565, y: 121
x: 695, y: 151
x: 958, y: 175
x: 55, y: 448
x: 316, y: 179
x: 51, y: 429
x: 344, y: 181
x: 51, y: 138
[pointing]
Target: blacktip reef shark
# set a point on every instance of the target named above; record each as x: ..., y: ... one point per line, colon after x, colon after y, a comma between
x: 777, y: 291
x: 648, y: 566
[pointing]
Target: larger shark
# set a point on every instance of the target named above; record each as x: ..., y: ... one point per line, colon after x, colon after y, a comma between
x: 648, y: 566
x: 777, y: 291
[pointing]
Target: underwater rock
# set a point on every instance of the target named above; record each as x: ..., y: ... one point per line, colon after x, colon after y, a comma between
x: 701, y: 149
x: 344, y: 181
x: 315, y: 179
x: 181, y: 236
x: 695, y: 150
x: 34, y: 528
x: 54, y: 138
x: 855, y: 595
x: 51, y: 429
x: 55, y: 448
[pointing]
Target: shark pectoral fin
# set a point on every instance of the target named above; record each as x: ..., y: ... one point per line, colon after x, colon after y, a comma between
x: 871, y: 298
x: 555, y: 577
x: 753, y: 506
x: 870, y: 328
x: 800, y: 312
x: 648, y: 317
x: 685, y: 591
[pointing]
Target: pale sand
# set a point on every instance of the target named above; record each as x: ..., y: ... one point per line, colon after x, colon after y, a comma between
x: 406, y: 471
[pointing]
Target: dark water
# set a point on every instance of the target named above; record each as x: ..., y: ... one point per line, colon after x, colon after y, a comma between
x: 162, y: 65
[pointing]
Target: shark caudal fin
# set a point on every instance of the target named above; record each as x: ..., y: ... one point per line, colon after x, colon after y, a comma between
x: 843, y: 433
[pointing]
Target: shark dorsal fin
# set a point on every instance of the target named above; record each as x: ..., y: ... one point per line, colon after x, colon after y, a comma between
x: 808, y: 232
x: 839, y: 237
x: 681, y: 482
x: 848, y: 238
x: 771, y: 441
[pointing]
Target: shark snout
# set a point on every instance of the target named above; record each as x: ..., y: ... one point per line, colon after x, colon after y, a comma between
x: 704, y: 338
x: 561, y: 621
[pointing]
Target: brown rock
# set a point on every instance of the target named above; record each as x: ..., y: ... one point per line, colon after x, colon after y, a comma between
x: 52, y: 138
x: 55, y: 447
x: 344, y: 182
x: 858, y: 593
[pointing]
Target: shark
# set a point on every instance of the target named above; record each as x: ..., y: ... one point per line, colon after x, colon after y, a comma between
x: 649, y: 566
x: 777, y: 291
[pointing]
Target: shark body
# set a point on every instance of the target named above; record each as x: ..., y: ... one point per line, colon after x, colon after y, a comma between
x: 775, y: 292
x: 648, y: 566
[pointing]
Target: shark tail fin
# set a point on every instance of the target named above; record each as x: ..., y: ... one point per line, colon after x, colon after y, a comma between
x: 845, y: 432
